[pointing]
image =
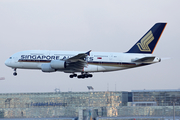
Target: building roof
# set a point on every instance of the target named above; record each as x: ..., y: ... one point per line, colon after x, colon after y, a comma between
x: 168, y: 90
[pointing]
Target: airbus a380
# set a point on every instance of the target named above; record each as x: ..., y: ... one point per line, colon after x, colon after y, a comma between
x: 89, y: 62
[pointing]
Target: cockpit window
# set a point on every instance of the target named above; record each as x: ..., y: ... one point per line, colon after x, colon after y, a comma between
x: 10, y: 58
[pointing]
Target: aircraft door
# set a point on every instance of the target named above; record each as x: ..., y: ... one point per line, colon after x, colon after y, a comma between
x: 98, y: 61
x: 111, y: 57
x: 15, y: 59
x: 120, y: 60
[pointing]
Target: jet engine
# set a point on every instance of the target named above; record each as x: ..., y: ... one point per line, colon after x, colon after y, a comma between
x: 58, y: 64
x: 46, y: 67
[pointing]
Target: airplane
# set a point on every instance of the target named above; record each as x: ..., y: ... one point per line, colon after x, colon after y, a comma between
x: 85, y: 63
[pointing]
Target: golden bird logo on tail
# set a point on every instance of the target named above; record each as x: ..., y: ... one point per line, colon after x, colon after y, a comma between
x: 146, y: 40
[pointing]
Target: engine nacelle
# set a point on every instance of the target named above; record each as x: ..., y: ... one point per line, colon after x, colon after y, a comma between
x: 46, y: 67
x: 58, y: 64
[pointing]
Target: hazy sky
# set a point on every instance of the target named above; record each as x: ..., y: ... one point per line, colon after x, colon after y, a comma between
x: 82, y: 25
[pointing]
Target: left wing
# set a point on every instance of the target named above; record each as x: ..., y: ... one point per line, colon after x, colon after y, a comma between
x: 78, y: 62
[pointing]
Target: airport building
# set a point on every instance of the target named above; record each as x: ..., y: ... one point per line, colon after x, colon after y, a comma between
x: 139, y: 104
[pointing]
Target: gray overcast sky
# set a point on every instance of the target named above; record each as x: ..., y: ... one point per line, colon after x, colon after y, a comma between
x: 82, y: 25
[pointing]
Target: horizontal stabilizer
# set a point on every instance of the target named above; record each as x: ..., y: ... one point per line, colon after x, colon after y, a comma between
x: 144, y: 60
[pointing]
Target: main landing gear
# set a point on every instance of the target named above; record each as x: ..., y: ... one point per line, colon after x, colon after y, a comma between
x: 73, y: 75
x: 15, y: 73
x: 83, y: 75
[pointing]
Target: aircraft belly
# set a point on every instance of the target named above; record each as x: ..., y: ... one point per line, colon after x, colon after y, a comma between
x: 29, y: 65
x: 91, y: 68
x: 108, y: 68
x: 16, y: 65
x: 99, y: 68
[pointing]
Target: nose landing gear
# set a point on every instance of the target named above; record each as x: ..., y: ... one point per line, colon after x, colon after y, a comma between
x: 15, y: 73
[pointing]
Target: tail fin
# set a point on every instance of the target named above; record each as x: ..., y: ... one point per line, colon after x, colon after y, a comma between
x: 149, y: 41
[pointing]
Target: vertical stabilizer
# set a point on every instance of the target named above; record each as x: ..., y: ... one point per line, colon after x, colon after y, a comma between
x: 149, y: 41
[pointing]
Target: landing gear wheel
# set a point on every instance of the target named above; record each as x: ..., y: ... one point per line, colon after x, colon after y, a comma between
x: 14, y: 73
x: 71, y: 76
x: 86, y: 75
x: 81, y: 76
x: 75, y: 75
x: 90, y: 75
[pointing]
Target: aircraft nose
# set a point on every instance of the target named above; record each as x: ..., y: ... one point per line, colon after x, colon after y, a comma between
x: 6, y: 62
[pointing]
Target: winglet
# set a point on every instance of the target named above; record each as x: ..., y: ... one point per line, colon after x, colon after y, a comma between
x: 149, y: 41
x: 88, y: 53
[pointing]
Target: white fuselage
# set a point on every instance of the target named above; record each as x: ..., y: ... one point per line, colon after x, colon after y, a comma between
x: 96, y: 61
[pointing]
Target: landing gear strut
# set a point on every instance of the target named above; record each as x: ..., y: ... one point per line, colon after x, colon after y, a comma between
x: 15, y: 73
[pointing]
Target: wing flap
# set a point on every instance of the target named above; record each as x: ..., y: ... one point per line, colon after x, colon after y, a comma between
x: 78, y: 62
x: 81, y: 56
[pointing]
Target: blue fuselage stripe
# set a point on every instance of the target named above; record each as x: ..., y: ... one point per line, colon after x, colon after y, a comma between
x: 89, y: 62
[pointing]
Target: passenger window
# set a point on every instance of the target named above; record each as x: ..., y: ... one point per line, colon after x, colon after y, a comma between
x: 10, y: 58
